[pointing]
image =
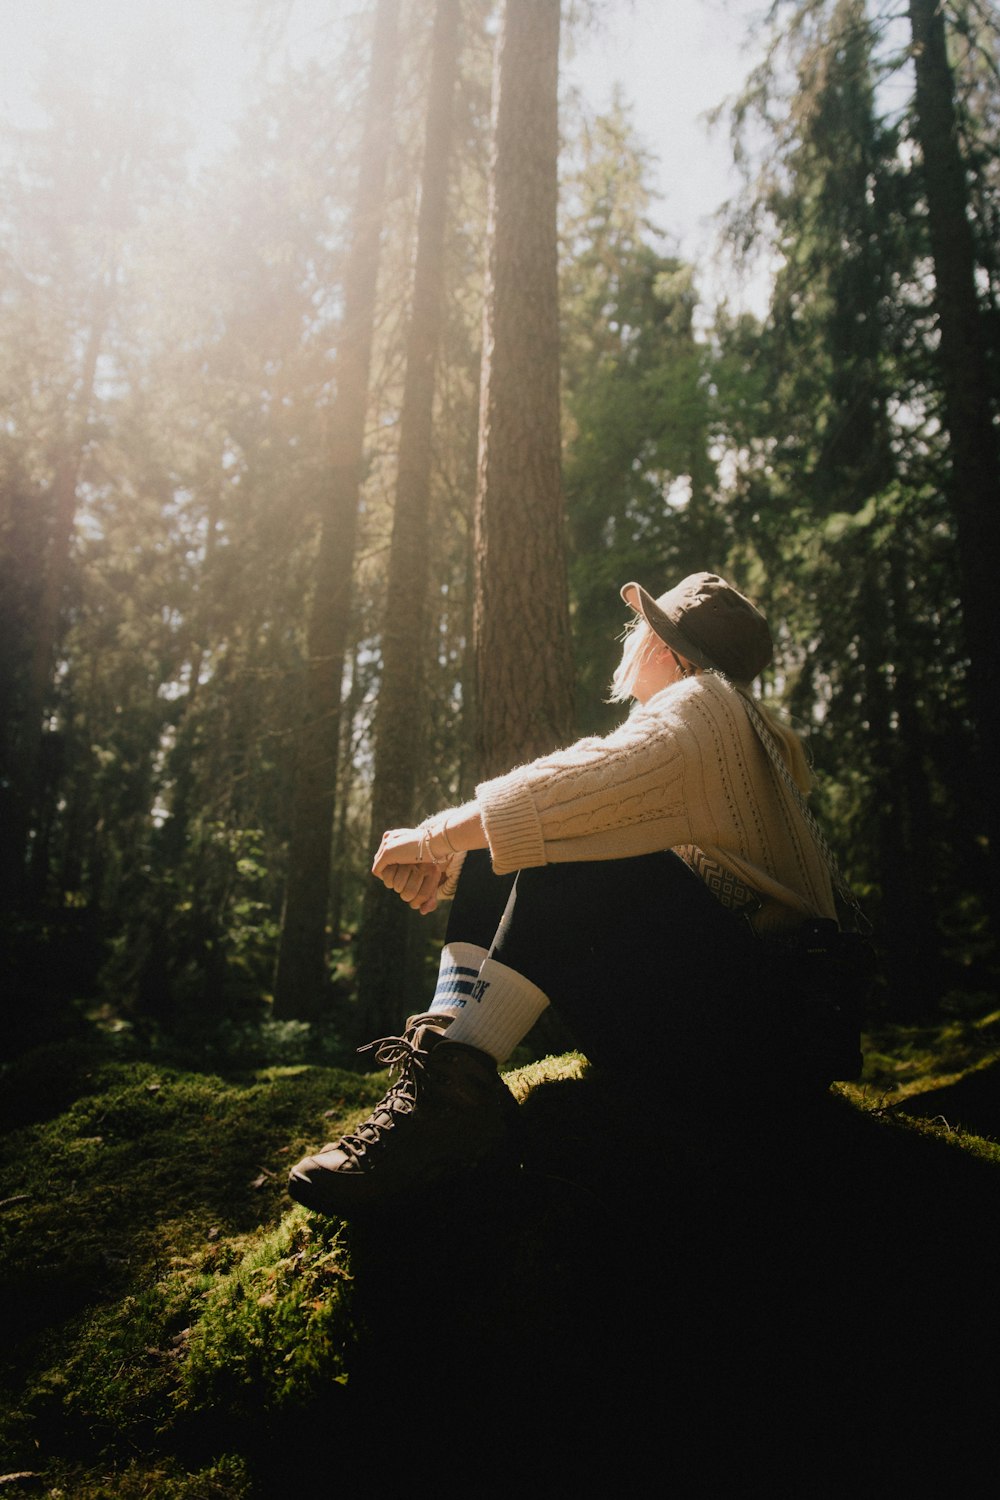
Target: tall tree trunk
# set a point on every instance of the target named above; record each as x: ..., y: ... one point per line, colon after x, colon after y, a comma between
x: 300, y: 979
x: 965, y: 381
x: 522, y: 637
x: 345, y: 789
x: 401, y: 703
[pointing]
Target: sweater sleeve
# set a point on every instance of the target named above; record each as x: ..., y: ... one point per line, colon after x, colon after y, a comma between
x: 630, y: 780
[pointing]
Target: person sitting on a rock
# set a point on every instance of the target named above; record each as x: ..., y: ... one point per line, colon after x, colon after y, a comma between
x: 624, y: 880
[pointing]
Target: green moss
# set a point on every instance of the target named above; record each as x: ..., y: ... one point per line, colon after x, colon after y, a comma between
x: 120, y: 1217
x: 170, y: 1310
x: 225, y: 1478
x: 967, y: 1142
x: 277, y: 1329
x: 547, y: 1070
x: 906, y: 1059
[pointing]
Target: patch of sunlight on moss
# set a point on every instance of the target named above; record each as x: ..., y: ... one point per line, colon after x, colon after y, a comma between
x: 285, y: 1070
x: 521, y: 1081
x: 900, y: 1060
x: 278, y: 1328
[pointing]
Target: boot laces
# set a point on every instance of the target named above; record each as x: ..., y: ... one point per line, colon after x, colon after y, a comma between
x: 392, y: 1052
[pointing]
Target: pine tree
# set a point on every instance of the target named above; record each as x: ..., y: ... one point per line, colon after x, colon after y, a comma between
x: 522, y: 639
x: 78, y: 188
x: 969, y: 410
x: 640, y: 484
x: 830, y: 501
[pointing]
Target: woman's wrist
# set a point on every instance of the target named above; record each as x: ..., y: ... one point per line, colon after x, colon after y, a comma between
x: 453, y: 832
x: 435, y: 845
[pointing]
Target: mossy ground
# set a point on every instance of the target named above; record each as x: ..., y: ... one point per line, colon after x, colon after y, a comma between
x: 801, y: 1294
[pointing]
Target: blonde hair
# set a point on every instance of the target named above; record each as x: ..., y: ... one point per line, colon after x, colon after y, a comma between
x: 640, y: 644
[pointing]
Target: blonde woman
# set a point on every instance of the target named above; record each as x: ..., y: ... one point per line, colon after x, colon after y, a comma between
x: 625, y: 880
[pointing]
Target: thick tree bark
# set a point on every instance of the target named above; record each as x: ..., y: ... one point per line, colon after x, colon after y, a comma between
x: 300, y: 980
x: 522, y: 637
x: 965, y: 382
x: 402, y: 701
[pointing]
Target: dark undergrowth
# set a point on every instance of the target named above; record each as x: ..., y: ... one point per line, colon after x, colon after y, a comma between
x: 709, y: 1299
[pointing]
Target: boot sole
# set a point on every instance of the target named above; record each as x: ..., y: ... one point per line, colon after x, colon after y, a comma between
x: 345, y: 1195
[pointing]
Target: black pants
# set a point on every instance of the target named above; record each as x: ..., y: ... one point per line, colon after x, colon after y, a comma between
x: 636, y: 956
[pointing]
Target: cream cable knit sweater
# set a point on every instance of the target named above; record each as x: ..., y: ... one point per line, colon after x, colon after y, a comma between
x: 685, y: 768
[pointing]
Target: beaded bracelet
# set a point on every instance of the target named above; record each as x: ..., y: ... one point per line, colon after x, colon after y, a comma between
x: 425, y: 851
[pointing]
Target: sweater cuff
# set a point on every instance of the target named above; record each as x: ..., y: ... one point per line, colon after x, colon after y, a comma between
x: 449, y: 884
x: 513, y: 827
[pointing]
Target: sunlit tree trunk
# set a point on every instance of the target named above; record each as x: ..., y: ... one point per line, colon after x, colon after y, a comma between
x: 300, y: 979
x: 522, y: 638
x: 340, y: 864
x: 402, y: 698
x: 965, y: 381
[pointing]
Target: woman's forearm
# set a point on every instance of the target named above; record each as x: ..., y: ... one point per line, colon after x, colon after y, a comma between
x: 436, y: 842
x: 456, y: 830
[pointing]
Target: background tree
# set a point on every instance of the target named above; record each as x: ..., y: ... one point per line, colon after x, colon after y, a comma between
x: 238, y: 402
x: 640, y: 482
x: 78, y: 187
x: 807, y: 454
x: 402, y: 703
x: 301, y: 975
x: 837, y: 468
x: 522, y: 640
x: 969, y: 407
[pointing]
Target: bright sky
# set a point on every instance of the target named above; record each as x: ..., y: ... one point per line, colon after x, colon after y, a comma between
x: 675, y: 59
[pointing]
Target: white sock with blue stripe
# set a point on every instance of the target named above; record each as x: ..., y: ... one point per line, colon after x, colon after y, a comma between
x: 499, y: 1009
x: 457, y: 973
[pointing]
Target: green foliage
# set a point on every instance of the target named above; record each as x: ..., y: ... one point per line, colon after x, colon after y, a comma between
x: 840, y: 503
x: 803, y: 454
x: 279, y: 1329
x: 637, y: 471
x: 173, y: 1330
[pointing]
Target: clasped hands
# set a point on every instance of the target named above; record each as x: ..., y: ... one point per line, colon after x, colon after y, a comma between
x: 405, y: 863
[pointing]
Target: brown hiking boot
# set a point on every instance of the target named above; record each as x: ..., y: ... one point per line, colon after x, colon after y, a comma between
x: 446, y: 1112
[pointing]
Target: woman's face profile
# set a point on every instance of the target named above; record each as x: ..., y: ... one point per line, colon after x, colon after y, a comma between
x: 657, y: 668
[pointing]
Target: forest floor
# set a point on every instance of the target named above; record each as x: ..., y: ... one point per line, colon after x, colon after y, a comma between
x: 799, y: 1297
